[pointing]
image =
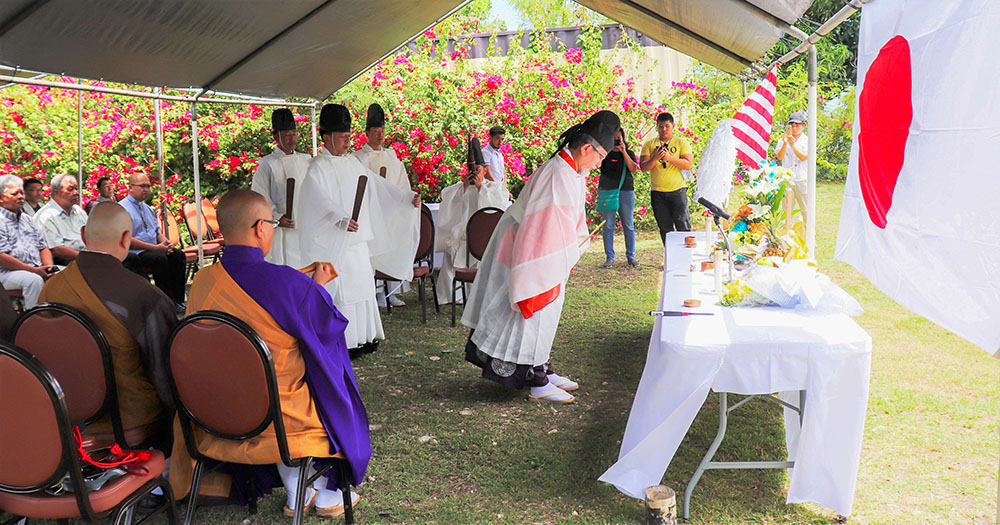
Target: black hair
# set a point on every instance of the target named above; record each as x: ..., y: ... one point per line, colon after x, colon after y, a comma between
x: 102, y: 179
x: 580, y: 139
x: 665, y: 117
x: 31, y: 181
x: 497, y: 130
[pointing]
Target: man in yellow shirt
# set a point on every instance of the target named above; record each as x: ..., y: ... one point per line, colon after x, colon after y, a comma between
x: 664, y: 157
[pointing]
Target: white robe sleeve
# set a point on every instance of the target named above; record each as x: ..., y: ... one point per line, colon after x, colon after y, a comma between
x: 262, y: 181
x: 395, y: 227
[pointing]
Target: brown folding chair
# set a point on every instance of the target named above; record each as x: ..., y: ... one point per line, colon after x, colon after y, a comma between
x: 208, y: 346
x: 212, y: 219
x: 423, y: 264
x: 173, y: 233
x: 478, y: 231
x: 191, y: 221
x: 37, y: 451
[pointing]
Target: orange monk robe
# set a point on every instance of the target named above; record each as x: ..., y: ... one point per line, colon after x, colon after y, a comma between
x: 214, y: 289
x: 137, y: 397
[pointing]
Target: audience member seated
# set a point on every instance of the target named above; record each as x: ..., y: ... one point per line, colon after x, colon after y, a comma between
x: 105, y: 193
x: 295, y: 316
x: 61, y: 219
x: 32, y: 196
x: 25, y: 259
x: 150, y: 247
x: 134, y: 316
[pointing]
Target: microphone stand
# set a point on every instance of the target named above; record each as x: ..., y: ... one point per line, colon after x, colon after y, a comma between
x: 729, y: 247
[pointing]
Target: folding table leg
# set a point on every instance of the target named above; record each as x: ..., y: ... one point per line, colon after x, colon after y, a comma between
x: 723, y: 420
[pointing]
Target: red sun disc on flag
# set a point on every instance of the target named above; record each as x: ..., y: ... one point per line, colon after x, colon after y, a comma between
x: 885, y: 111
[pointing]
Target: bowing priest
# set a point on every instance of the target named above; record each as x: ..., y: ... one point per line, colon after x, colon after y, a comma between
x: 135, y: 317
x: 271, y: 181
x: 377, y: 158
x: 459, y: 201
x: 304, y: 332
x: 518, y: 296
x: 383, y: 235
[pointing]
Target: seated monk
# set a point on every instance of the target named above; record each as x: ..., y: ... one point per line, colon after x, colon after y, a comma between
x: 135, y: 317
x: 295, y: 316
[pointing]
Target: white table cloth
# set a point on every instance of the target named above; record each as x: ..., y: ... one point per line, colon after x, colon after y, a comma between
x: 757, y: 350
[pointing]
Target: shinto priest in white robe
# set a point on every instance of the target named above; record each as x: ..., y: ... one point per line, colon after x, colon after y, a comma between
x: 515, y: 305
x: 458, y: 202
x: 386, y: 238
x: 269, y: 180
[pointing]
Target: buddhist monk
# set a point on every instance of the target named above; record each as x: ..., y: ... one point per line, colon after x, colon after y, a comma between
x: 135, y: 317
x: 295, y: 316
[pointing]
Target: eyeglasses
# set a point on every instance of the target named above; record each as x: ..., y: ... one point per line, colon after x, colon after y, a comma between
x: 600, y: 151
x: 143, y: 186
x: 272, y: 222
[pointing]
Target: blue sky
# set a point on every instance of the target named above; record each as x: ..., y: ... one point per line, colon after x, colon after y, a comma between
x: 503, y: 10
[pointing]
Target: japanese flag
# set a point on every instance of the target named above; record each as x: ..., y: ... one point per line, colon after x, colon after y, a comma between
x: 921, y: 215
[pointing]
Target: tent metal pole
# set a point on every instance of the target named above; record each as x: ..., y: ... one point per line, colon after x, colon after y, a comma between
x: 79, y: 134
x: 197, y: 181
x: 159, y: 144
x: 813, y: 117
x: 312, y: 128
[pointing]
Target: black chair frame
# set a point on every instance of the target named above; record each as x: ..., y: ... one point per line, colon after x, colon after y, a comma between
x: 70, y: 462
x: 422, y: 258
x: 456, y: 284
x: 110, y: 405
x: 187, y: 419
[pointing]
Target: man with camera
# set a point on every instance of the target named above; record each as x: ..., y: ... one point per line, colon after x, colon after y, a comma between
x: 664, y: 157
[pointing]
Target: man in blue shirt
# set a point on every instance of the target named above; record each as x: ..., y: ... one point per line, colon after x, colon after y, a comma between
x: 150, y: 248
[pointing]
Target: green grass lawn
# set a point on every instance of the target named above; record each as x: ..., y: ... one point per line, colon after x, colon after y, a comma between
x: 450, y: 447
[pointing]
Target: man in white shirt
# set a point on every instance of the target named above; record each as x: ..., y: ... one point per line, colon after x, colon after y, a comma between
x: 271, y: 180
x: 376, y: 158
x: 61, y: 219
x: 794, y: 154
x: 493, y: 157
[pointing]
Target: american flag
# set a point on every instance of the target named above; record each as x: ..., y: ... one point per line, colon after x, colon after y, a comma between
x: 752, y: 122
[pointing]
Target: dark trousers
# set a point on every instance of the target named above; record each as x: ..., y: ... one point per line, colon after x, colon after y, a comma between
x: 167, y: 269
x: 510, y: 375
x: 671, y: 211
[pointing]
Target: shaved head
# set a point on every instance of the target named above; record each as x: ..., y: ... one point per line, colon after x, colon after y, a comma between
x: 106, y: 224
x: 238, y: 210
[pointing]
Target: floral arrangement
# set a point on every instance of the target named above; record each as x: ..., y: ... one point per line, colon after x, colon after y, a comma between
x: 753, y: 229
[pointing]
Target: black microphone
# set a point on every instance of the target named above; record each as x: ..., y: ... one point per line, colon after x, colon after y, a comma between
x: 715, y: 210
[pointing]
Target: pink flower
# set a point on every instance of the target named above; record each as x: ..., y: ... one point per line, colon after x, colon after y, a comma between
x: 573, y: 55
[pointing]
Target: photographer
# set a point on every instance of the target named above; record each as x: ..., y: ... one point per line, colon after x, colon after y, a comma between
x: 793, y: 154
x: 664, y: 157
x: 616, y: 172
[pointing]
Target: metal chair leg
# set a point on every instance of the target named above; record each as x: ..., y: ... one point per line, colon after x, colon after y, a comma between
x: 423, y: 303
x: 199, y: 471
x: 437, y: 307
x: 345, y: 488
x: 453, y: 297
x: 388, y: 303
x: 300, y: 495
